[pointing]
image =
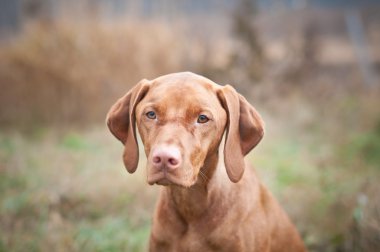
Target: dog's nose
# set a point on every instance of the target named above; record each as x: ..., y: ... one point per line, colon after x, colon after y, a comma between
x: 166, y: 157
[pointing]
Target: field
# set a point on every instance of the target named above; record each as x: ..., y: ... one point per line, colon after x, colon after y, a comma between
x: 67, y: 190
x: 63, y: 186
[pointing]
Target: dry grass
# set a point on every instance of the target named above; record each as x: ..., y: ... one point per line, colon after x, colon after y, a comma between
x: 65, y: 72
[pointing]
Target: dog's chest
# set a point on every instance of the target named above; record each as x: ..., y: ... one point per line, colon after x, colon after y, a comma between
x: 199, y: 236
x: 216, y: 240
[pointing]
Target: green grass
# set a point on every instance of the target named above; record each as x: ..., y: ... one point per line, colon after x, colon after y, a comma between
x: 112, y: 234
x: 68, y: 190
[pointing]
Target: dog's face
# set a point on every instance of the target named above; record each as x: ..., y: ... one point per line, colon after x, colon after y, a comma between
x: 180, y: 122
x: 181, y: 119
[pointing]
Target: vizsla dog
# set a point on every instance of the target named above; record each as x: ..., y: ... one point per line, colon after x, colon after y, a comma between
x: 209, y: 200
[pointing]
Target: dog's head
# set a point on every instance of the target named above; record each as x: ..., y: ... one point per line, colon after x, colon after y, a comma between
x: 181, y: 118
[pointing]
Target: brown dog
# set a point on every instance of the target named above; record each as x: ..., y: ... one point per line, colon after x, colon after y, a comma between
x: 182, y: 118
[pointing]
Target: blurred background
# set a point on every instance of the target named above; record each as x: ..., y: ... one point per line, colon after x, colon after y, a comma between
x: 310, y: 67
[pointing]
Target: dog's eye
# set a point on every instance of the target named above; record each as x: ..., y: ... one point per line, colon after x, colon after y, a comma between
x: 202, y: 119
x: 151, y: 115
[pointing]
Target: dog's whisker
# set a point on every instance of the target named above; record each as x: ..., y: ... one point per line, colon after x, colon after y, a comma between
x: 203, y: 176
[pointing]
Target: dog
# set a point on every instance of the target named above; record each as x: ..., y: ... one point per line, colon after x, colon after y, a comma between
x: 209, y: 200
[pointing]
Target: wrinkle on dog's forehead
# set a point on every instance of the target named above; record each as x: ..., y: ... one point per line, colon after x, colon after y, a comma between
x: 174, y: 92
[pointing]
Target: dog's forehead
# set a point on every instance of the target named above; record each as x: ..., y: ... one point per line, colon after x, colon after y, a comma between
x: 183, y: 87
x: 184, y: 77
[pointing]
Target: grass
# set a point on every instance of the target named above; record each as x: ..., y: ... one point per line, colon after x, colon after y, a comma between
x: 69, y: 191
x: 325, y: 171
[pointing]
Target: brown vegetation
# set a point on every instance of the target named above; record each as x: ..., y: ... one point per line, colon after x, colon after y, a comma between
x: 62, y: 73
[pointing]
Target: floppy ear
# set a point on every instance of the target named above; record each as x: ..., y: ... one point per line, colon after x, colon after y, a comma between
x: 244, y: 130
x: 121, y: 121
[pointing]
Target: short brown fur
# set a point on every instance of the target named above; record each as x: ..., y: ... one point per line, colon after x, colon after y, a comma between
x: 211, y: 202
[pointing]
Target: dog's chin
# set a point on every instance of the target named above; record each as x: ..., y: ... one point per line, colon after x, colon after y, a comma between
x: 164, y: 182
x: 170, y: 181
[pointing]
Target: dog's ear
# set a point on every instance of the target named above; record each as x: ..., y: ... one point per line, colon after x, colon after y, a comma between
x: 244, y: 130
x: 121, y: 121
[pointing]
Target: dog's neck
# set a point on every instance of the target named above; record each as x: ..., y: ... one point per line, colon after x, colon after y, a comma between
x: 193, y: 202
